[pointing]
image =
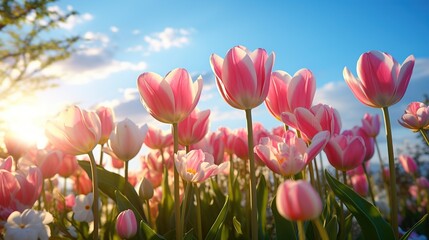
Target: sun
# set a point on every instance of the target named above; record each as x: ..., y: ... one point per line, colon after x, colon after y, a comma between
x: 26, y: 121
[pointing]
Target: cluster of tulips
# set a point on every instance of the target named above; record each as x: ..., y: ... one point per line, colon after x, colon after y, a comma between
x: 248, y: 183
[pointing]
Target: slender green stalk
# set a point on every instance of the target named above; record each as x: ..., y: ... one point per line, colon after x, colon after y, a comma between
x: 322, y: 231
x: 95, y: 192
x: 382, y: 170
x: 253, y: 201
x: 165, y: 168
x: 311, y: 173
x: 184, y: 200
x: 101, y: 154
x: 179, y: 234
x: 126, y: 171
x: 393, y: 197
x: 301, y: 232
x: 318, y: 183
x: 425, y: 137
x: 371, y: 193
x: 148, y: 213
x: 199, y: 226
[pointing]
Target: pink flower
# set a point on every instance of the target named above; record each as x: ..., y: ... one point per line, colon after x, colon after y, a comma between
x: 288, y: 93
x: 107, y: 123
x: 172, y: 98
x: 126, y: 224
x: 18, y: 190
x: 239, y: 143
x: 243, y: 77
x: 127, y: 139
x: 214, y: 145
x: 117, y: 163
x: 371, y: 125
x: 196, y: 166
x: 382, y: 81
x: 298, y: 201
x: 82, y: 182
x: 360, y: 184
x: 15, y: 146
x: 74, y: 131
x: 194, y: 127
x: 291, y: 155
x: 68, y: 165
x: 368, y: 141
x: 408, y: 164
x: 344, y: 151
x: 157, y: 139
x: 416, y: 117
x: 318, y: 118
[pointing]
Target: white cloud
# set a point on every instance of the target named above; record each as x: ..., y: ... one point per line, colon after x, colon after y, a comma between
x: 135, y: 32
x: 114, y: 29
x: 421, y: 68
x: 167, y: 39
x: 72, y: 20
x: 93, y: 61
x: 137, y: 48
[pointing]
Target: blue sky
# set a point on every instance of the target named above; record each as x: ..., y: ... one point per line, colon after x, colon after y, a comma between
x: 127, y: 38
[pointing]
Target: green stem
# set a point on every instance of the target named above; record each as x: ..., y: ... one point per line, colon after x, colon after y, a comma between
x: 126, y: 171
x: 187, y: 148
x: 393, y: 197
x: 319, y: 190
x: 179, y: 234
x: 322, y: 231
x: 382, y: 170
x: 101, y: 155
x: 253, y: 201
x: 184, y: 204
x: 371, y: 193
x: 199, y: 226
x: 425, y: 137
x: 301, y: 232
x: 148, y: 213
x: 165, y: 168
x: 95, y: 192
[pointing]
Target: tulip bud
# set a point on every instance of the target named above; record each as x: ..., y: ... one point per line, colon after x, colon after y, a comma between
x: 126, y: 224
x: 408, y: 164
x: 298, y: 201
x: 145, y: 189
x: 107, y: 123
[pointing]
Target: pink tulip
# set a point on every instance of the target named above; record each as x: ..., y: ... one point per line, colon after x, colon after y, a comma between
x: 49, y: 163
x: 157, y: 139
x: 298, y: 201
x: 360, y: 184
x: 344, y: 151
x: 117, y: 163
x: 371, y: 125
x: 126, y: 224
x: 82, y: 182
x: 368, y: 141
x: 416, y: 117
x: 279, y: 131
x: 197, y: 166
x: 227, y: 139
x: 68, y: 166
x: 15, y: 146
x: 318, y: 118
x: 172, y: 98
x: 127, y: 139
x: 288, y: 93
x: 422, y: 182
x: 145, y: 189
x: 153, y: 167
x: 214, y: 145
x: 239, y: 144
x: 243, y: 77
x: 107, y: 123
x: 194, y: 127
x: 74, y: 131
x: 381, y: 81
x: 408, y: 164
x: 358, y: 170
x: 291, y: 155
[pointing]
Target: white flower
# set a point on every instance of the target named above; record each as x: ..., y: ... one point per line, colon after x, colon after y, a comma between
x: 82, y: 208
x: 29, y: 224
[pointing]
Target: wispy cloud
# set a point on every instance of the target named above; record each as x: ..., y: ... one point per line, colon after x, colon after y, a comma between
x: 114, y: 29
x: 94, y: 60
x: 159, y: 41
x: 72, y: 21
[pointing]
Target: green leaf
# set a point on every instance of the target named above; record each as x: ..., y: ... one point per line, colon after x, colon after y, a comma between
x: 109, y: 182
x: 149, y: 233
x: 166, y: 208
x: 332, y: 228
x: 408, y: 233
x: 368, y: 216
x: 189, y: 235
x: 284, y: 227
x: 217, y: 225
x: 262, y: 201
x: 237, y: 226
